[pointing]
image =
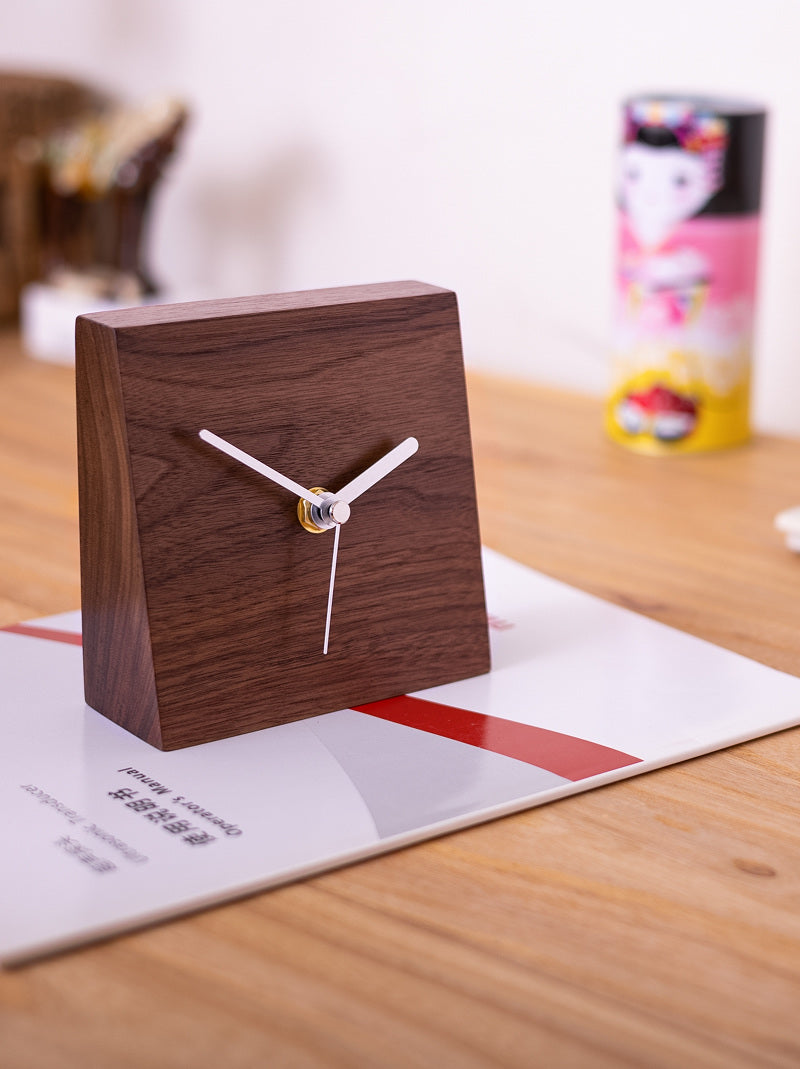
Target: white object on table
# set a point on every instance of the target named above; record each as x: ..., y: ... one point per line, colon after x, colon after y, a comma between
x: 788, y: 522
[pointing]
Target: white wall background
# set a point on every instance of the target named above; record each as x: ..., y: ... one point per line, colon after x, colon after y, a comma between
x: 463, y: 142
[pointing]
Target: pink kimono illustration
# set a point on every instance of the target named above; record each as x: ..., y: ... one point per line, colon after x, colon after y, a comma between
x: 686, y: 276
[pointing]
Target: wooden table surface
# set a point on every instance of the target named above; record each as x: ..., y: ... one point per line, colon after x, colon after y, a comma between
x: 655, y: 922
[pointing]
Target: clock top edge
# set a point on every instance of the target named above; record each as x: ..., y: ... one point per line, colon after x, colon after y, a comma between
x: 260, y: 304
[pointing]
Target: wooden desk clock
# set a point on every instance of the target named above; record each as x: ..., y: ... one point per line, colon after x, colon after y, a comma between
x: 277, y: 508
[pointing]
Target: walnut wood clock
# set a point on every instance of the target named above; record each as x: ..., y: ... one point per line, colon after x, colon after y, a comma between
x: 277, y: 508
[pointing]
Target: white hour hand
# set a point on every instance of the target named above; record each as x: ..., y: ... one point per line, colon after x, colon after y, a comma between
x: 262, y: 469
x: 375, y: 472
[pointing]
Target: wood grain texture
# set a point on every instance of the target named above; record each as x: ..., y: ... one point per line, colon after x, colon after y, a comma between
x: 118, y: 667
x: 224, y: 590
x: 38, y: 488
x: 651, y: 923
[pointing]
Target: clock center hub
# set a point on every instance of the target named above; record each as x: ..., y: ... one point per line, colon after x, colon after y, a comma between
x: 333, y: 512
x: 339, y: 511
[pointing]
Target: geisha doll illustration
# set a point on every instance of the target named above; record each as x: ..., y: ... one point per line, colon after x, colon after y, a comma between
x: 686, y: 277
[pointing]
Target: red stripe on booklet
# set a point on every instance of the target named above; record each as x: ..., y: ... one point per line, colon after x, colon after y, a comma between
x: 565, y: 755
x: 72, y: 637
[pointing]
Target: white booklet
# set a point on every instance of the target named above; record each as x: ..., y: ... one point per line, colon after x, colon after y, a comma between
x: 102, y: 833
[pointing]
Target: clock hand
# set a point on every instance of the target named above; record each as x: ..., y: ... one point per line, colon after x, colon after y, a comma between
x: 262, y: 469
x: 349, y: 493
x: 375, y: 472
x: 330, y: 588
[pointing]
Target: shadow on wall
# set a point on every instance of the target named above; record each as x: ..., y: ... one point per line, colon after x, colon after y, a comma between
x: 247, y: 222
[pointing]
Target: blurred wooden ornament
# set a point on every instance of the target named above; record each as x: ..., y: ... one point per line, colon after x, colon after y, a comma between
x: 32, y: 106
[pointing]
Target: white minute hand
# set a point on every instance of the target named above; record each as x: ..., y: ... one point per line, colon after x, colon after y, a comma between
x: 375, y: 472
x: 262, y: 469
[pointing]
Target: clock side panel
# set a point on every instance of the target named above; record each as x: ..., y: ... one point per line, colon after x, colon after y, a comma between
x: 236, y: 589
x: 119, y: 680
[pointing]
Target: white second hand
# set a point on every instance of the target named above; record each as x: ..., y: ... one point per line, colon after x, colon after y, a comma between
x: 330, y: 588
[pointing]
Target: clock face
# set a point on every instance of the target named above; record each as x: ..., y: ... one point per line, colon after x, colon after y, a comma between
x: 227, y: 605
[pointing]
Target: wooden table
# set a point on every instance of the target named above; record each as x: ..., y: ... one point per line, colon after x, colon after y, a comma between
x: 652, y: 923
